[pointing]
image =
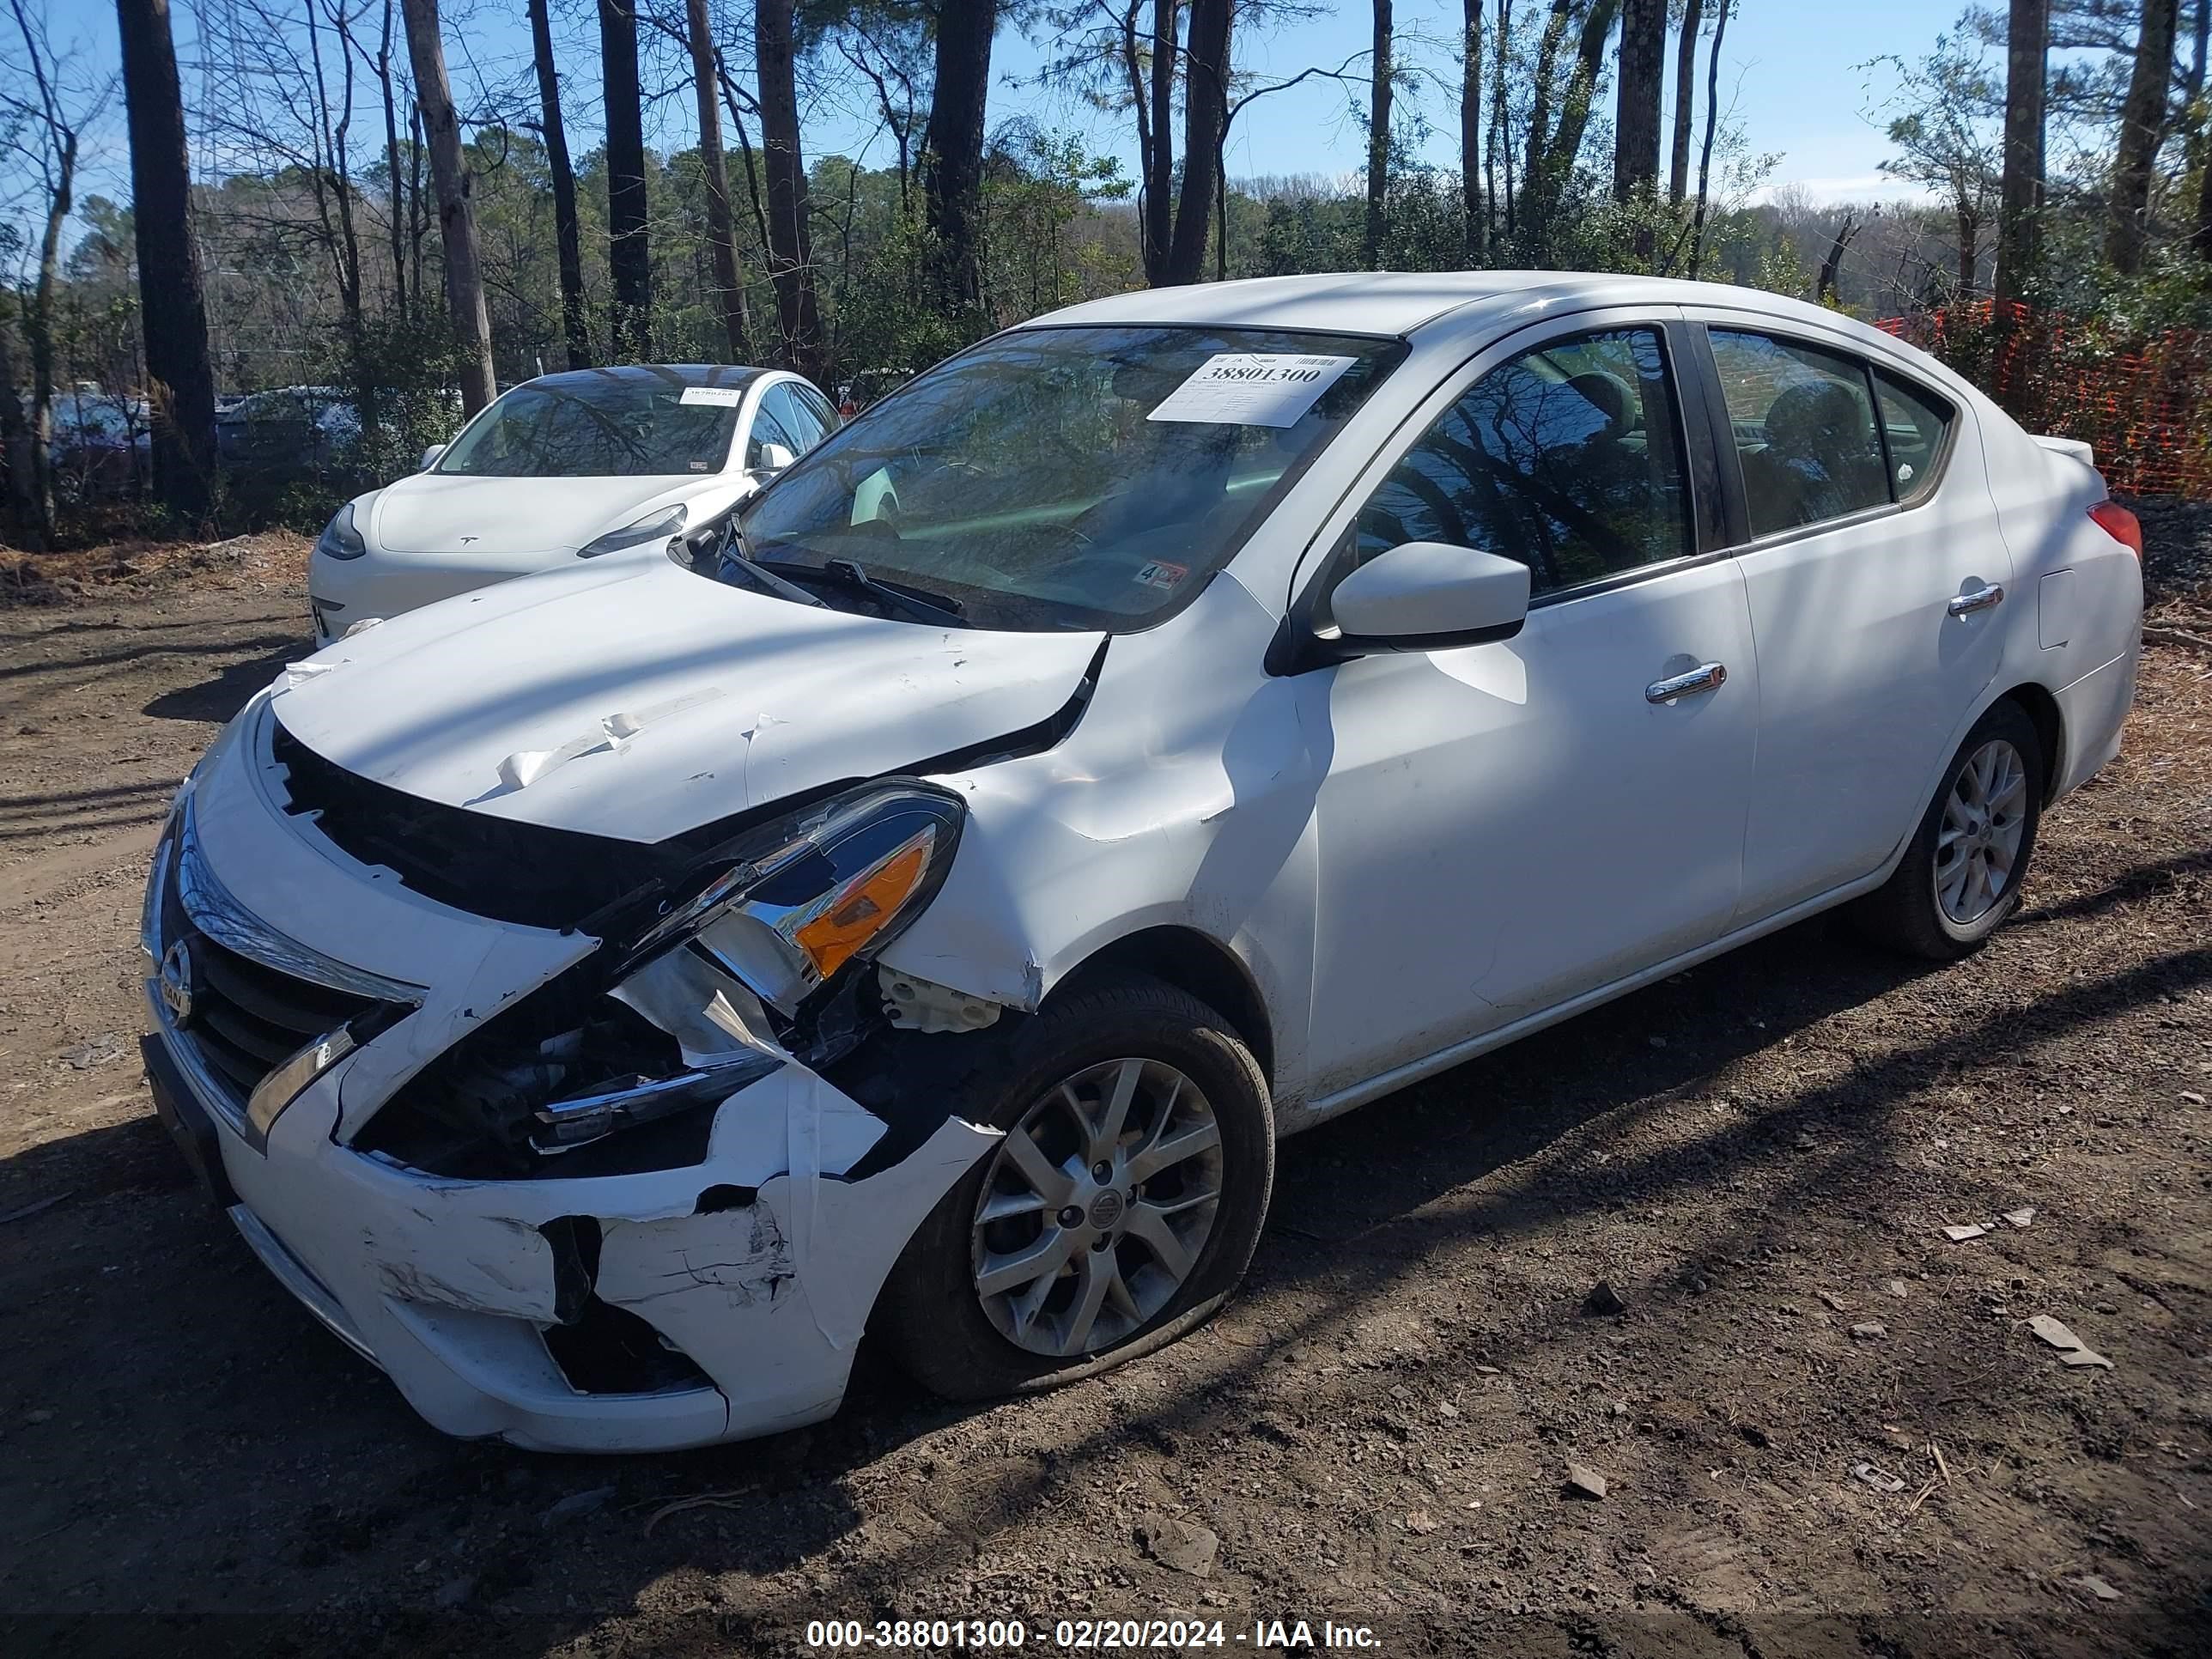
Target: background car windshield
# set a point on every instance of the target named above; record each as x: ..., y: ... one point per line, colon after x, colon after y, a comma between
x: 602, y: 426
x: 1071, y: 477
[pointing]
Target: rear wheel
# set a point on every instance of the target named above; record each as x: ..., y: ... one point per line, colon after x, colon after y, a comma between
x: 1118, y: 1212
x: 1960, y: 877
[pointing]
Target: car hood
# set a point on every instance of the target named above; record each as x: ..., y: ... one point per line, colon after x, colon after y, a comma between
x: 432, y: 512
x: 629, y: 697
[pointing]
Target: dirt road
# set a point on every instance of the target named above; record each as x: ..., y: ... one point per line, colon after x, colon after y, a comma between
x: 1759, y: 1156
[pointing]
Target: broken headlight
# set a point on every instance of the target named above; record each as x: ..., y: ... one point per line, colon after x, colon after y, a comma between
x: 837, y: 884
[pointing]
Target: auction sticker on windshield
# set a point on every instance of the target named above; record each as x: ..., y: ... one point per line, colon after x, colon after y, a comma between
x: 723, y: 397
x: 1252, y: 388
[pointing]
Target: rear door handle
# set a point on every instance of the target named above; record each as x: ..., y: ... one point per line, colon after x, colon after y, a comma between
x: 1706, y: 676
x: 1980, y: 599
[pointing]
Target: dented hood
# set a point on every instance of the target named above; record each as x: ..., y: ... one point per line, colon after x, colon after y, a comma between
x: 632, y: 698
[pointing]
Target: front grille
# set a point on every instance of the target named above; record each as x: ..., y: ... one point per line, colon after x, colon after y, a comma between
x: 247, y: 1019
x: 244, y: 1016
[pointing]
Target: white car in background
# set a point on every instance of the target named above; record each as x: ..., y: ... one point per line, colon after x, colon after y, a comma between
x: 565, y: 467
x: 1156, y: 730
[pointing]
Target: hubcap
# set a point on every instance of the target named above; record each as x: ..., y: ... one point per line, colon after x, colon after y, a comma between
x: 1978, y: 843
x: 1097, y: 1206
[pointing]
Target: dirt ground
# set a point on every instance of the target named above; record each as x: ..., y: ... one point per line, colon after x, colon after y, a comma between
x: 1760, y: 1157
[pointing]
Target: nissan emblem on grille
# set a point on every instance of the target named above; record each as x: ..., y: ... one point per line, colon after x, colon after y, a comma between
x: 177, y: 981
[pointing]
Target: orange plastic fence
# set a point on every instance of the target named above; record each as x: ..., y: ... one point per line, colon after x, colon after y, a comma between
x: 2145, y: 404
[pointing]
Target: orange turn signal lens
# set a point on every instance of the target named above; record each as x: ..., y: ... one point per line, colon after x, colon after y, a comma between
x: 856, y: 913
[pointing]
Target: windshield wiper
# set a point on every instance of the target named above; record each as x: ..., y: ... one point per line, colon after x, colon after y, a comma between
x: 848, y: 572
x: 734, y: 561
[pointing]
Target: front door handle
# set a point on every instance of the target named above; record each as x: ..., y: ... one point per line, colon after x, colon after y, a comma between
x: 1980, y: 599
x: 1706, y: 676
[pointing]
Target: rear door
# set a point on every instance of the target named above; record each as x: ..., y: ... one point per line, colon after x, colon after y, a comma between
x: 1503, y: 827
x: 1877, y: 585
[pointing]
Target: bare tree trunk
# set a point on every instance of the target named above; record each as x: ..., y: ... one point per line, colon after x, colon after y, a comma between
x: 333, y: 184
x: 953, y: 151
x: 630, y: 256
x: 2201, y: 239
x: 181, y: 382
x: 1476, y: 241
x: 1635, y: 109
x: 1548, y: 46
x: 791, y: 255
x: 1552, y: 154
x: 457, y: 225
x: 575, y: 315
x: 1685, y: 86
x: 395, y: 231
x: 1382, y: 88
x: 16, y: 450
x: 1970, y: 247
x: 2142, y: 127
x: 1501, y: 132
x: 730, y: 297
x: 1712, y: 125
x: 2020, y: 186
x: 1206, y: 115
x: 1159, y: 165
x: 1824, y: 285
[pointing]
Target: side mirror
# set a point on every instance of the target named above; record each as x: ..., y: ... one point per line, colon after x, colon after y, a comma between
x: 430, y: 456
x: 1428, y: 596
x: 774, y: 457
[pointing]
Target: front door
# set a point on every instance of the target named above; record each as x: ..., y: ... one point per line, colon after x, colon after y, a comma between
x: 1503, y: 827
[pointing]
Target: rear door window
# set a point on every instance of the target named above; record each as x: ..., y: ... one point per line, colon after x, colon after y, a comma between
x: 1803, y: 422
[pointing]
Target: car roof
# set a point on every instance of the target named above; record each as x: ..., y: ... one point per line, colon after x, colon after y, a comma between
x: 730, y: 374
x: 1401, y: 303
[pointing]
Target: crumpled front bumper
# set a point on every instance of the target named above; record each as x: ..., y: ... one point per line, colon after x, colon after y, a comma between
x: 760, y: 1264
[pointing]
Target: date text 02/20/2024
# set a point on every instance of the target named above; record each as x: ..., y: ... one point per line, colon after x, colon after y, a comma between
x: 945, y: 1635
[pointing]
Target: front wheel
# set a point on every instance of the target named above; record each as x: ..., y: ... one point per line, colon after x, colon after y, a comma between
x: 1118, y: 1212
x: 1960, y: 877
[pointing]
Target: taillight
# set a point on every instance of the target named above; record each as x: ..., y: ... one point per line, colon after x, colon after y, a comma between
x: 2120, y: 525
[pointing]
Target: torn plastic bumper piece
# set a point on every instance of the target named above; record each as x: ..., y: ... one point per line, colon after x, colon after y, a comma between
x: 753, y: 1269
x: 450, y: 1286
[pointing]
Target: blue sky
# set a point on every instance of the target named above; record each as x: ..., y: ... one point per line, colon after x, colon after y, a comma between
x: 1787, y: 67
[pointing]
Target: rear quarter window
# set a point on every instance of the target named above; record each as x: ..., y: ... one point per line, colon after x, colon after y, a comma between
x: 1916, y: 423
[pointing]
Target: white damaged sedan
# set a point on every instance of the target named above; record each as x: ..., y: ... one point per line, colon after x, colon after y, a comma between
x: 1164, y: 726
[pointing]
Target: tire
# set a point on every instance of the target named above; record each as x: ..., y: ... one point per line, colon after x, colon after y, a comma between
x: 1909, y: 913
x: 957, y: 1342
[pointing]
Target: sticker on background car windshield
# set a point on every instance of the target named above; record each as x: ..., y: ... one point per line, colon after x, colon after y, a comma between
x: 723, y: 397
x: 1252, y: 388
x: 1159, y: 574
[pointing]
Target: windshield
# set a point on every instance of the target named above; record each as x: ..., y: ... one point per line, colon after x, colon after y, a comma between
x: 599, y: 425
x: 1068, y: 478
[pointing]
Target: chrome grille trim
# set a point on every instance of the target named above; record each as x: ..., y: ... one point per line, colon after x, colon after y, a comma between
x: 231, y: 925
x: 279, y: 1013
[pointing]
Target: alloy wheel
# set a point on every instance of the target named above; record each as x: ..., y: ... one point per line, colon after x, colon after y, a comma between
x: 1978, y: 843
x: 1098, y: 1206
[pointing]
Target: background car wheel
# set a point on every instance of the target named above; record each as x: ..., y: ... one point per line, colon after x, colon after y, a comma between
x: 1118, y: 1214
x: 1961, y: 877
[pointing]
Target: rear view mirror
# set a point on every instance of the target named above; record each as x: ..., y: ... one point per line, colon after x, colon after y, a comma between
x: 1430, y: 596
x: 773, y: 457
x: 430, y: 456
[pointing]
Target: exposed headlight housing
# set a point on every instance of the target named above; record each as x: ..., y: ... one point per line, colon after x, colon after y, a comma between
x: 667, y: 521
x: 835, y: 885
x: 339, y: 539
